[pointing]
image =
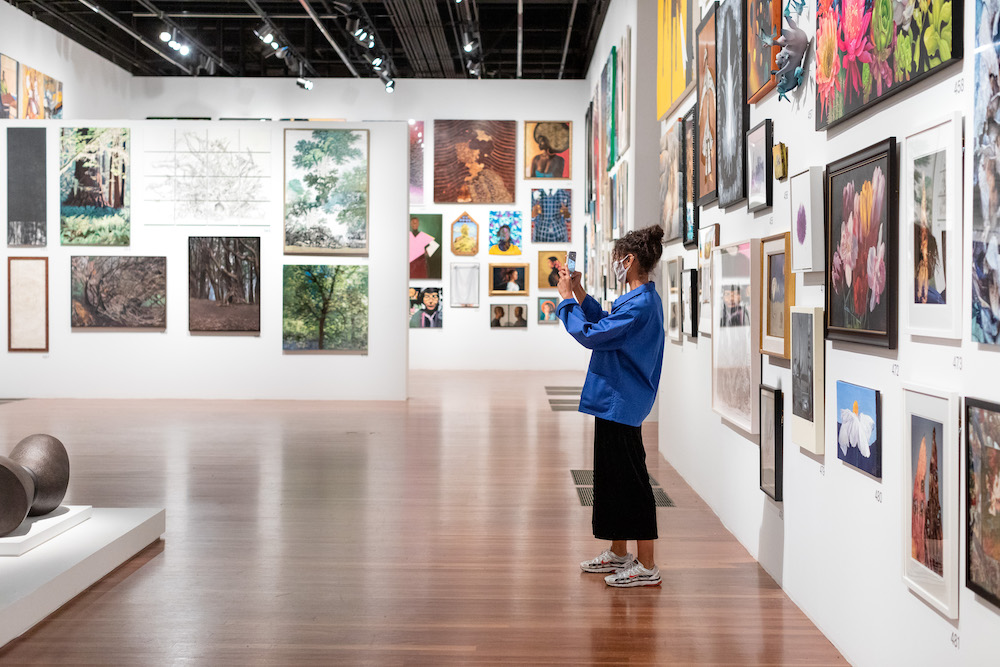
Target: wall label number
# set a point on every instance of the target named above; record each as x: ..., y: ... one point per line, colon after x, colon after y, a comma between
x: 954, y: 639
x: 895, y: 370
x: 878, y: 496
x: 957, y: 363
x: 960, y: 86
x: 822, y: 470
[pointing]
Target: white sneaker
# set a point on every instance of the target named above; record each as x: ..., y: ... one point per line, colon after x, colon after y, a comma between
x: 636, y: 575
x: 608, y: 561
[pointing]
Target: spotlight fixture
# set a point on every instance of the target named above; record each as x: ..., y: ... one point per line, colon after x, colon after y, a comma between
x: 304, y: 84
x: 377, y: 63
x: 390, y: 86
x: 184, y: 49
x: 470, y: 46
x: 371, y: 43
x: 165, y: 36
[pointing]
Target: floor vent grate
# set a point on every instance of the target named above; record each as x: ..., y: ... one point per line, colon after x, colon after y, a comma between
x: 584, y: 482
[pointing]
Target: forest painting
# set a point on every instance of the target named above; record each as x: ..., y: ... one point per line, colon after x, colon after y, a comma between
x: 326, y: 192
x: 119, y: 292
x: 223, y: 283
x: 325, y: 308
x: 94, y: 175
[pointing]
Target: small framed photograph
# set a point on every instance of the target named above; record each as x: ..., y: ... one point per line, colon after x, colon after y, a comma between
x: 777, y: 294
x: 859, y: 427
x: 509, y: 279
x: 689, y: 303
x: 771, y: 430
x: 808, y: 395
x: 508, y: 316
x: 547, y: 309
x: 760, y: 169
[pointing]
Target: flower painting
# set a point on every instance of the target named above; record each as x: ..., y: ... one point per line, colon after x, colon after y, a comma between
x: 982, y: 503
x: 859, y: 427
x: 733, y: 115
x: 861, y: 247
x: 707, y: 103
x: 806, y: 195
x: 867, y: 50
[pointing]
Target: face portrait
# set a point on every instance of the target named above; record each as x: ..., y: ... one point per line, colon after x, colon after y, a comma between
x: 519, y: 312
x: 547, y: 307
x: 553, y: 263
x: 431, y: 300
x: 505, y: 233
x: 498, y: 312
x: 414, y: 225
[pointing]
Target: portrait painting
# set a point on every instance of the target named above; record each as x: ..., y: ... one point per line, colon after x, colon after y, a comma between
x: 671, y: 179
x: 27, y: 304
x: 416, y: 163
x: 675, y: 37
x: 474, y: 161
x: 464, y: 286
x: 464, y: 236
x: 425, y: 246
x: 508, y: 316
x: 509, y: 279
x: 95, y: 168
x: 759, y: 167
x: 861, y: 222
x: 326, y: 192
x: 763, y: 18
x: 859, y: 427
x: 27, y: 221
x: 808, y: 402
x: 548, y: 149
x: 505, y: 233
x: 31, y: 96
x: 985, y: 202
x: 547, y: 310
x: 706, y: 92
x: 777, y: 295
x: 806, y: 197
x: 118, y: 292
x: 426, y: 307
x: 733, y: 116
x: 325, y: 308
x: 982, y: 475
x: 551, y: 218
x: 549, y: 263
x: 8, y: 87
x: 771, y: 441
x: 689, y: 142
x: 223, y: 283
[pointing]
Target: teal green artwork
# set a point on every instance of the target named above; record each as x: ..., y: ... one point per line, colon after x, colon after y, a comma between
x: 94, y: 175
x: 325, y: 308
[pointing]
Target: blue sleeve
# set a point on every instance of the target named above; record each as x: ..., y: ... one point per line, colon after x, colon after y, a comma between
x: 607, y: 334
x: 592, y: 310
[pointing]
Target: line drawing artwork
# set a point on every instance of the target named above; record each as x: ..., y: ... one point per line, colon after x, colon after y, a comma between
x: 207, y: 177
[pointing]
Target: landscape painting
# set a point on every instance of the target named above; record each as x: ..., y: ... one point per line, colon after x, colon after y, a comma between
x: 223, y: 283
x: 118, y: 292
x: 94, y: 181
x: 326, y: 192
x: 325, y: 308
x: 474, y: 161
x: 26, y: 201
x: 859, y: 427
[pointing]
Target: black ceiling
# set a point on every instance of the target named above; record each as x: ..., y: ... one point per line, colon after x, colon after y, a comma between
x: 419, y: 38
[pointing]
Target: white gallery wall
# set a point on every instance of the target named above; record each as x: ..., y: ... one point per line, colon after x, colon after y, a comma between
x: 835, y: 542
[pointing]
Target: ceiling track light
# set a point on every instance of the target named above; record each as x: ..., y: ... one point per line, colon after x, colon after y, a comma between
x: 304, y: 84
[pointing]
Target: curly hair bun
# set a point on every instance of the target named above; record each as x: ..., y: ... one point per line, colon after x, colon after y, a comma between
x: 645, y: 244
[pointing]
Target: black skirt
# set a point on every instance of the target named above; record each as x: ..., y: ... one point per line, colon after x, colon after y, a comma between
x: 624, y: 508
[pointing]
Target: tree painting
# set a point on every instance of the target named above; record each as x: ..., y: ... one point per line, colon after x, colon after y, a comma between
x: 224, y: 283
x: 126, y: 292
x: 325, y: 308
x: 326, y: 192
x: 94, y: 186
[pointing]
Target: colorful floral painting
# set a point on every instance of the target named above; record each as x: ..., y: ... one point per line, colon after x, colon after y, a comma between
x: 867, y: 50
x: 859, y: 427
x: 861, y: 210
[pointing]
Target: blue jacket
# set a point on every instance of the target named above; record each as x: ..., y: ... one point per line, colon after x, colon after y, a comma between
x: 627, y: 346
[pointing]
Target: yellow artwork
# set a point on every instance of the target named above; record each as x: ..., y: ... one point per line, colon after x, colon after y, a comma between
x: 674, y: 47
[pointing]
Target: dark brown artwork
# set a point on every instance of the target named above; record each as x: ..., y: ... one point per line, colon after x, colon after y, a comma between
x: 119, y: 292
x: 474, y: 161
x: 224, y: 283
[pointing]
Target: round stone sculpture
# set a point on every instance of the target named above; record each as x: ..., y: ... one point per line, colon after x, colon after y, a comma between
x: 33, y: 480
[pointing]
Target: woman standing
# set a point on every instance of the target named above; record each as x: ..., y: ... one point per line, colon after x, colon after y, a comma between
x: 621, y: 386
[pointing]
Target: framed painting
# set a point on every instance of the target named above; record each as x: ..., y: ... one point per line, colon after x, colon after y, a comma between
x: 464, y: 286
x: 588, y: 159
x: 777, y: 294
x: 424, y: 238
x: 426, y: 308
x: 548, y: 149
x: 735, y: 342
x: 808, y: 390
x: 464, y: 236
x: 708, y: 240
x: 94, y: 189
x: 806, y: 196
x: 689, y: 303
x: 623, y: 93
x: 771, y: 437
x: 551, y: 218
x: 930, y: 496
x: 118, y: 292
x: 549, y: 263
x: 861, y: 275
x: 707, y: 180
x: 985, y: 202
x: 676, y: 22
x: 932, y: 230
x: 760, y: 168
x: 733, y: 116
x: 508, y: 316
x: 30, y: 96
x: 859, y: 427
x: 547, y: 309
x: 671, y: 179
x: 474, y: 161
x: 982, y: 478
x: 505, y: 233
x: 224, y: 283
x: 763, y: 18
x: 27, y: 304
x: 325, y: 308
x: 675, y: 312
x: 416, y: 163
x: 509, y: 279
x: 608, y: 102
x: 869, y: 51
x: 326, y: 192
x: 26, y: 201
x: 8, y: 87
x: 689, y: 188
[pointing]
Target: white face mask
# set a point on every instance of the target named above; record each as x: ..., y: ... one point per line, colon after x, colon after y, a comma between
x: 621, y: 271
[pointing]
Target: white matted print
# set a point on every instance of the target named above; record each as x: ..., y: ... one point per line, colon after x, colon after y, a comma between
x: 28, y: 304
x: 931, y: 222
x: 708, y: 239
x: 806, y: 195
x: 808, y: 403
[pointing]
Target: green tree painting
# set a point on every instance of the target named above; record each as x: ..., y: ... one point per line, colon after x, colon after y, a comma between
x: 94, y: 186
x: 326, y: 192
x: 325, y: 308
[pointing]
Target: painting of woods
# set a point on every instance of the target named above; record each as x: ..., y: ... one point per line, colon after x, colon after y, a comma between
x: 94, y: 174
x: 326, y: 192
x: 126, y: 292
x: 325, y: 309
x: 224, y: 283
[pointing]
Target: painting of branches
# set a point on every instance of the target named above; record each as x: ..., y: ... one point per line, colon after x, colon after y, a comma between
x: 94, y: 186
x: 325, y: 308
x: 326, y: 192
x: 121, y: 292
x: 224, y: 283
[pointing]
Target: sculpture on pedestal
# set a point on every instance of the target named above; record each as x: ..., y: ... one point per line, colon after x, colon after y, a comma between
x: 33, y: 480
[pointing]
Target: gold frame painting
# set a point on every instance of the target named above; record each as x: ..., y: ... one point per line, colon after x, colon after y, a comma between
x: 773, y: 341
x: 503, y: 291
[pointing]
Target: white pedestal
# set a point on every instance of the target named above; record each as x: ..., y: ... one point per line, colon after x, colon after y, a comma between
x: 36, y: 530
x: 34, y: 585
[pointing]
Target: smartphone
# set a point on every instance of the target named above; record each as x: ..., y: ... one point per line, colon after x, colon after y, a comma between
x: 571, y: 261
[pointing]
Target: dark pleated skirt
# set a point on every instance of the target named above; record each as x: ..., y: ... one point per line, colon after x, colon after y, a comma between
x: 624, y: 508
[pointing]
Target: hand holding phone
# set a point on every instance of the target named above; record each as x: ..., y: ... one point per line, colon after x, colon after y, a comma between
x: 571, y: 261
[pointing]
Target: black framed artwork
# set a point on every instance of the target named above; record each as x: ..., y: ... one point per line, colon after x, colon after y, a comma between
x: 760, y: 169
x: 733, y: 114
x: 707, y: 90
x: 771, y: 441
x: 689, y: 137
x: 982, y: 472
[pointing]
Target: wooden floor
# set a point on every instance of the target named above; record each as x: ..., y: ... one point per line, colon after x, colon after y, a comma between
x: 444, y: 530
